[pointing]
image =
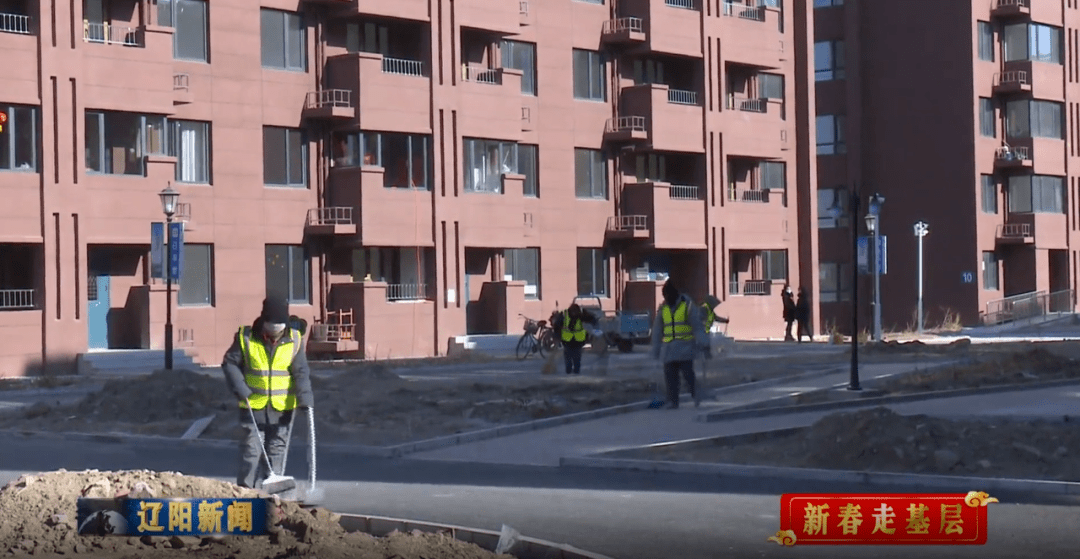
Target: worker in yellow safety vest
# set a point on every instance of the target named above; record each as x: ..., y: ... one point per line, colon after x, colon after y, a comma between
x: 708, y: 313
x: 267, y: 371
x: 570, y: 327
x: 677, y: 337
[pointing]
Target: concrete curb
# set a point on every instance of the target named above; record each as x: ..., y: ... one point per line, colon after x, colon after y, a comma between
x: 742, y: 412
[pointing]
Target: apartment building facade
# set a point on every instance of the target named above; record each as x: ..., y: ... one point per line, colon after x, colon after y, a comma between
x: 962, y: 115
x: 407, y: 171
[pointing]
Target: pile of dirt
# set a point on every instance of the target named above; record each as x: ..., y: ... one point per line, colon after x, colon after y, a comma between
x: 916, y: 346
x: 881, y: 440
x: 1013, y: 368
x: 363, y: 405
x: 40, y: 520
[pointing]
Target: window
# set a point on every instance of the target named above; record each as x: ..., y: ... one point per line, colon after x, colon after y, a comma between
x: 189, y: 143
x: 409, y: 271
x: 589, y: 75
x: 989, y: 194
x: 827, y: 199
x: 828, y: 60
x: 197, y: 276
x: 284, y: 40
x: 486, y: 161
x: 990, y: 271
x: 19, y: 139
x: 353, y: 149
x: 830, y: 134
x: 773, y: 175
x: 651, y: 168
x: 827, y: 3
x: 987, y: 124
x: 648, y: 71
x: 592, y: 272
x: 986, y: 41
x: 288, y: 272
x: 529, y: 165
x: 1035, y: 119
x: 590, y: 174
x: 406, y: 159
x: 774, y: 265
x: 835, y: 278
x: 188, y: 18
x: 284, y: 157
x: 523, y: 264
x: 771, y: 86
x: 1032, y: 41
x: 521, y: 56
x: 1037, y: 194
x: 117, y: 142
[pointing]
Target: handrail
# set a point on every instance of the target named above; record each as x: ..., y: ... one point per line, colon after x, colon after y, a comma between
x: 1012, y: 76
x: 1014, y: 230
x: 626, y: 123
x: 628, y: 223
x: 12, y: 299
x: 1011, y: 153
x: 747, y: 104
x: 743, y: 11
x: 1018, y: 3
x: 402, y: 66
x: 618, y: 25
x: 337, y: 215
x: 480, y: 74
x: 684, y: 192
x: 406, y: 292
x: 684, y: 4
x: 15, y: 23
x: 328, y: 98
x: 109, y: 34
x: 682, y: 97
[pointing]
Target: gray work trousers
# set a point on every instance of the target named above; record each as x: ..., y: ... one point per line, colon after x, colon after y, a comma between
x: 252, y: 464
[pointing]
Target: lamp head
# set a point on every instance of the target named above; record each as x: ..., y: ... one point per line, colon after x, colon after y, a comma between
x: 168, y: 200
x: 871, y: 222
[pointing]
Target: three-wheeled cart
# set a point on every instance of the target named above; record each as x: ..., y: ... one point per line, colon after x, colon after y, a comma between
x: 621, y: 329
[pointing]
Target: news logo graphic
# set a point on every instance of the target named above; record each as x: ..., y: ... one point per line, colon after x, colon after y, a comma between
x: 172, y: 517
x: 883, y: 519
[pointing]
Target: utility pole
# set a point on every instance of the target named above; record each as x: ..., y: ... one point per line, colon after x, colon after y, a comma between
x: 921, y: 229
x: 853, y: 383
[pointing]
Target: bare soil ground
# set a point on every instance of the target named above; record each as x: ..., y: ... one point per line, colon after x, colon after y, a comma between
x: 881, y: 440
x: 39, y: 514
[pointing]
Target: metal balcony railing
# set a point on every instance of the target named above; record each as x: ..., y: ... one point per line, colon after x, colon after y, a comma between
x: 746, y: 104
x: 1011, y: 230
x: 13, y: 299
x: 684, y: 192
x: 626, y: 124
x: 1018, y: 3
x: 1009, y: 153
x: 523, y: 7
x: 748, y: 195
x: 330, y: 216
x: 755, y: 287
x: 328, y: 98
x: 402, y: 66
x: 628, y: 223
x: 111, y: 34
x: 684, y: 4
x: 619, y: 25
x: 181, y: 82
x: 479, y: 74
x: 332, y: 332
x: 15, y: 23
x: 682, y: 97
x: 406, y: 292
x: 1011, y: 77
x: 742, y: 11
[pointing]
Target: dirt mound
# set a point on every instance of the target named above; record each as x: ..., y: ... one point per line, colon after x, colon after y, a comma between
x: 916, y: 346
x: 40, y: 513
x: 1011, y: 368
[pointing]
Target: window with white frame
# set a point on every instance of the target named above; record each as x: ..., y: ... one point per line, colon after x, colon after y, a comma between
x: 284, y: 157
x: 590, y: 174
x: 1033, y: 41
x: 830, y: 134
x: 1035, y: 119
x: 990, y: 271
x: 529, y: 166
x: 288, y: 273
x: 828, y: 60
x: 987, y: 122
x: 590, y: 75
x: 188, y: 20
x: 592, y: 272
x: 827, y: 200
x: 835, y: 281
x: 989, y: 194
x: 19, y: 139
x: 197, y: 276
x: 773, y: 175
x: 486, y: 161
x: 284, y: 40
x: 986, y: 41
x: 521, y: 56
x: 117, y: 142
x: 523, y: 264
x: 1036, y: 194
x: 189, y: 143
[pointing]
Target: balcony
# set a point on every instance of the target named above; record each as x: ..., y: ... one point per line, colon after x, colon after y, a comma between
x: 1011, y: 9
x: 753, y: 33
x: 330, y: 221
x: 362, y: 192
x: 500, y: 16
x: 758, y: 125
x: 491, y: 102
x: 395, y: 96
x: 1014, y: 157
x: 674, y: 214
x: 657, y: 26
x: 16, y: 299
x: 407, y: 292
x: 112, y: 34
x: 386, y: 328
x: 626, y: 129
x: 413, y: 10
x: 1016, y: 81
x: 747, y: 104
x: 15, y: 23
x: 670, y: 119
x: 336, y: 334
x: 623, y: 31
x: 1015, y: 233
x: 329, y: 104
x: 182, y: 89
x: 628, y: 227
x: 1041, y: 230
x: 750, y: 287
x: 748, y: 195
x: 496, y: 220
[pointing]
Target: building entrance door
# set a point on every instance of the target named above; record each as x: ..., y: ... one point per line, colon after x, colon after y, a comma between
x: 97, y: 310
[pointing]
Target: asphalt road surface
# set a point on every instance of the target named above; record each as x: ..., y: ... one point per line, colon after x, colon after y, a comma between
x: 625, y: 515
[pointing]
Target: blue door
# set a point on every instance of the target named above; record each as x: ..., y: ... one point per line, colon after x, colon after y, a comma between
x: 97, y: 311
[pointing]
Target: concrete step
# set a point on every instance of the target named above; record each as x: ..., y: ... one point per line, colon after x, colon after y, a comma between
x: 131, y: 360
x: 492, y: 344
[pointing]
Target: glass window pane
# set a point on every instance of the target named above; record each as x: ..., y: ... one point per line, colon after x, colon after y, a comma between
x: 823, y: 61
x: 24, y: 130
x: 164, y: 13
x: 273, y: 38
x: 826, y: 135
x: 599, y: 272
x: 6, y: 140
x: 395, y: 158
x: 275, y: 169
x: 584, y: 271
x: 371, y: 142
x: 1016, y: 42
x: 295, y: 42
x: 297, y: 161
x: 420, y: 163
x: 190, y: 40
x: 195, y: 277
x: 93, y: 142
x: 156, y: 137
x: 599, y: 174
x: 277, y: 270
x: 1020, y: 194
x: 1017, y: 118
x: 527, y: 165
x: 581, y: 74
x: 300, y: 272
x: 123, y: 143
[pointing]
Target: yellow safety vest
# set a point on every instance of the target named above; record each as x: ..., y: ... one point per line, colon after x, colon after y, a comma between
x: 708, y: 314
x: 677, y: 327
x: 570, y: 331
x: 268, y: 376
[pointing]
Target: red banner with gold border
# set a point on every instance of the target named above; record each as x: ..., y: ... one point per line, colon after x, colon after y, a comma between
x: 883, y: 518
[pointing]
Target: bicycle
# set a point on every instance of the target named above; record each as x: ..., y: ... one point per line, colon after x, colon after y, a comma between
x: 538, y: 338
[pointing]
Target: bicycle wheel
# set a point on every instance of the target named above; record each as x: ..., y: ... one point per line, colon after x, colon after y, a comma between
x: 539, y: 347
x: 547, y: 341
x: 524, y: 347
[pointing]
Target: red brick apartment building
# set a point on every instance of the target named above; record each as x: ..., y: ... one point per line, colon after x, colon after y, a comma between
x: 407, y: 171
x: 963, y: 114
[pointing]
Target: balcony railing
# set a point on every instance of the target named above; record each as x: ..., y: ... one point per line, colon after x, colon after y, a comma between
x: 684, y: 192
x: 12, y: 299
x: 181, y: 82
x: 108, y: 34
x: 742, y: 11
x: 1017, y: 3
x: 1014, y: 230
x: 15, y: 23
x: 684, y: 4
x: 622, y: 24
x: 332, y: 332
x: 402, y: 66
x: 682, y: 97
x: 746, y: 104
x: 628, y: 223
x: 626, y: 124
x: 748, y: 195
x: 1011, y: 77
x: 1029, y: 306
x: 406, y: 292
x: 479, y: 74
x: 330, y: 216
x: 328, y: 98
x: 523, y: 7
x: 749, y: 287
x: 1008, y: 153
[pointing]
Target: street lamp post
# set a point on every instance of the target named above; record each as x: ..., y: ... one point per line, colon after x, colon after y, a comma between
x: 168, y: 205
x: 837, y: 211
x: 874, y: 227
x: 921, y: 229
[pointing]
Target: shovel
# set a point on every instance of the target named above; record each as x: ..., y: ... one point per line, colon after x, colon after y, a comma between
x: 275, y: 483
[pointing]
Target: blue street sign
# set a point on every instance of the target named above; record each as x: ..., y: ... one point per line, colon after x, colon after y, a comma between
x: 176, y: 249
x: 967, y: 277
x: 157, y: 250
x: 882, y: 255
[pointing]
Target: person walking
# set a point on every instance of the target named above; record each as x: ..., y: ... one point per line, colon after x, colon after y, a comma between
x: 267, y: 371
x: 789, y: 311
x: 570, y: 326
x: 677, y: 336
x: 802, y: 315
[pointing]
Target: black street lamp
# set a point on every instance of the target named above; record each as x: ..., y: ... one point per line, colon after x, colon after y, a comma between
x: 168, y: 205
x: 873, y: 225
x: 837, y: 211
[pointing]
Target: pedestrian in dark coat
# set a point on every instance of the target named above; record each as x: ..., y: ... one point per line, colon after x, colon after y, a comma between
x: 789, y: 311
x: 802, y: 315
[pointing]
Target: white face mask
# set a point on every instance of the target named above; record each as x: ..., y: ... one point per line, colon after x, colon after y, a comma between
x: 273, y: 329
